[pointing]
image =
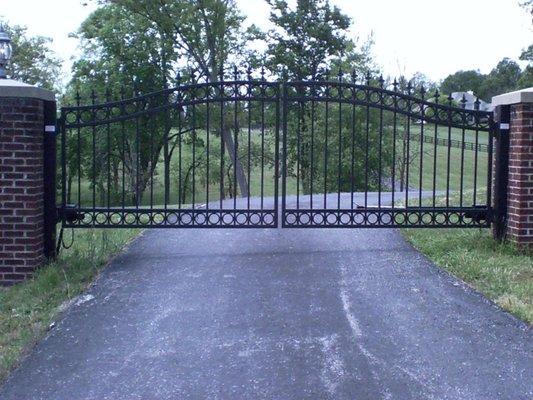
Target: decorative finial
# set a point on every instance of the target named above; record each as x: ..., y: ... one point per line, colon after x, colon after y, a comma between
x: 381, y: 81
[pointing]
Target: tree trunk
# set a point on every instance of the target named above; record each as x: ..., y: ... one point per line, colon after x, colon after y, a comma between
x: 230, y: 147
x: 227, y: 138
x: 69, y: 189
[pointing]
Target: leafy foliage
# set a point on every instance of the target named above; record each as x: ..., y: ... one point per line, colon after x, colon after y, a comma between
x: 206, y: 34
x: 142, y: 45
x: 527, y: 54
x: 505, y: 77
x: 306, y: 42
x: 120, y: 50
x: 462, y: 81
x: 306, y: 38
x: 33, y: 62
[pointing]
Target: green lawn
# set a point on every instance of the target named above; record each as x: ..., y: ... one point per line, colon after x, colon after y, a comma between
x: 454, y: 133
x: 28, y: 309
x: 500, y: 271
x: 461, y: 167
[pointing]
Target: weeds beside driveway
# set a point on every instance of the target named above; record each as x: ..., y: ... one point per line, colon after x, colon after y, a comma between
x: 28, y: 309
x: 500, y: 271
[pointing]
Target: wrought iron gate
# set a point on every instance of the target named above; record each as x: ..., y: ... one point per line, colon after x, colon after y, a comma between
x: 356, y: 155
x: 202, y: 155
x: 209, y: 154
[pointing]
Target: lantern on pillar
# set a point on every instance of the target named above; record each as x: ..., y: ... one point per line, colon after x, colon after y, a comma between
x: 5, y: 51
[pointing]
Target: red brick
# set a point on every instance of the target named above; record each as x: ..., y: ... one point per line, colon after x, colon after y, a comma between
x: 21, y: 188
x: 520, y: 188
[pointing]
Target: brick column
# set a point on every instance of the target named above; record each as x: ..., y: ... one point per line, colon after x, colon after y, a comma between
x: 519, y: 219
x: 22, y: 188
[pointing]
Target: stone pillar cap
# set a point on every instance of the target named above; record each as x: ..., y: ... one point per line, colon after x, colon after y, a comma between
x: 520, y: 96
x: 11, y: 88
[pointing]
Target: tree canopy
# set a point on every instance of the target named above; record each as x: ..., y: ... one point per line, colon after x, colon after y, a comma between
x: 462, y: 81
x: 503, y: 78
x: 33, y: 62
x: 306, y: 38
x: 506, y: 76
x: 205, y: 34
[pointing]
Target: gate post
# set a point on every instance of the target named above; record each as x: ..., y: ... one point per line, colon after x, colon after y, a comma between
x: 49, y: 177
x: 513, y: 185
x: 27, y: 192
x: 501, y: 171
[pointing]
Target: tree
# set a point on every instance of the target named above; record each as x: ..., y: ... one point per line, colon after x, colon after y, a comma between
x: 502, y: 79
x: 121, y: 49
x: 307, y: 41
x: 33, y: 62
x: 462, y: 81
x: 306, y: 38
x: 206, y: 34
x: 527, y: 54
x: 419, y: 81
x: 526, y: 78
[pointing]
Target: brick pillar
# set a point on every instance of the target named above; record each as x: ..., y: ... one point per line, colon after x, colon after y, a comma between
x: 519, y: 219
x: 22, y: 187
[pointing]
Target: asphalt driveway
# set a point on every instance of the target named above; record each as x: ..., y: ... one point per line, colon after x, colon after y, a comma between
x: 278, y: 314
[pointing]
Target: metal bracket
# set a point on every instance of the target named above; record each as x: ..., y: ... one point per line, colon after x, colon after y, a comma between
x: 482, y: 215
x: 70, y: 213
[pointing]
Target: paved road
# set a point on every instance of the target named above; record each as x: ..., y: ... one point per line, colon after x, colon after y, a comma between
x: 278, y: 314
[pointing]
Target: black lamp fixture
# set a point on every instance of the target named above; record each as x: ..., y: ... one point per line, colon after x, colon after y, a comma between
x: 5, y: 51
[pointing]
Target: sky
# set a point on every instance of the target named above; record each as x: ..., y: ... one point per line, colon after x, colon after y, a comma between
x: 434, y: 37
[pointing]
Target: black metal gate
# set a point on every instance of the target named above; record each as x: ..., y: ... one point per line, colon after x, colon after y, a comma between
x: 202, y: 155
x: 362, y: 155
x: 207, y: 154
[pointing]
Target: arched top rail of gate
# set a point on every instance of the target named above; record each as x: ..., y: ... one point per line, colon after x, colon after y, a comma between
x: 182, y: 96
x: 430, y: 107
x: 420, y: 105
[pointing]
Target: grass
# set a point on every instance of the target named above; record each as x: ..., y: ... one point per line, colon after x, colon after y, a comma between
x: 460, y: 171
x: 28, y: 309
x: 462, y: 167
x: 500, y: 271
x: 454, y: 133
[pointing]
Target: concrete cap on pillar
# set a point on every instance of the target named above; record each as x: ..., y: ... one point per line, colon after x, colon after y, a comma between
x: 520, y: 96
x: 11, y: 88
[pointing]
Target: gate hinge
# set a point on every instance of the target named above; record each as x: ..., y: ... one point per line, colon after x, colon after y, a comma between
x: 494, y: 128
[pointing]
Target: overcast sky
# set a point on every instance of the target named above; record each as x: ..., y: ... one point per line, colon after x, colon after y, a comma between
x: 435, y: 37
